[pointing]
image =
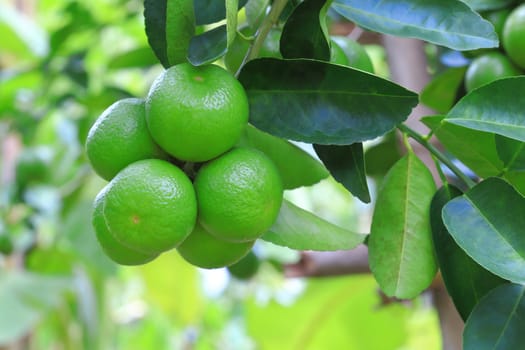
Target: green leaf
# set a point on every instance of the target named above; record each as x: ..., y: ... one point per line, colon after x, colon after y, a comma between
x: 296, y: 167
x: 493, y: 108
x: 304, y: 34
x: 441, y: 93
x: 318, y: 102
x: 136, y: 58
x: 170, y: 25
x: 487, y: 222
x: 485, y: 5
x: 516, y: 179
x: 475, y: 149
x: 299, y: 229
x: 232, y: 7
x: 211, y: 11
x: 255, y: 12
x: 400, y: 246
x: 347, y: 166
x: 208, y: 46
x: 429, y: 20
x: 498, y: 321
x: 380, y: 157
x: 511, y: 152
x: 465, y: 280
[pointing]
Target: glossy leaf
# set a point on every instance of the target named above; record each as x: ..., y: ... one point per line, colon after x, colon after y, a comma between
x: 516, y: 179
x: 304, y: 34
x: 475, y: 149
x: 211, y: 11
x: 465, y: 280
x: 485, y: 5
x: 347, y: 166
x: 440, y: 94
x: 493, y: 108
x: 170, y: 25
x: 400, y: 244
x: 208, y: 46
x: 317, y: 102
x: 490, y: 215
x: 296, y: 167
x: 511, y: 152
x: 429, y: 20
x: 498, y: 321
x: 255, y: 12
x: 299, y: 229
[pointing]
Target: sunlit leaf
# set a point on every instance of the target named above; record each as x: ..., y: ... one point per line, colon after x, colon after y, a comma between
x: 440, y: 94
x: 208, y: 46
x: 511, y: 152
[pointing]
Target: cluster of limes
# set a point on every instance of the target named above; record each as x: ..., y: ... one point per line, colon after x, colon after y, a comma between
x: 176, y: 177
x: 509, y: 60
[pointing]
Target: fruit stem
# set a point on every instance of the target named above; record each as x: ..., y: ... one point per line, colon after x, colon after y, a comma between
x: 437, y: 153
x: 269, y: 21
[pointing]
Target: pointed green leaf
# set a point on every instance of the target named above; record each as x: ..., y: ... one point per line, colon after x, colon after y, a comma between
x: 318, y: 102
x: 440, y: 94
x: 208, y: 46
x: 347, y: 166
x: 516, y: 179
x: 211, y: 11
x: 296, y: 167
x: 465, y: 280
x: 299, y: 229
x: 400, y: 246
x: 511, y: 152
x: 232, y: 7
x: 485, y: 5
x: 304, y: 34
x: 255, y: 12
x: 380, y: 157
x: 475, y: 149
x: 493, y: 108
x: 429, y: 20
x: 487, y: 222
x: 170, y: 26
x: 498, y: 321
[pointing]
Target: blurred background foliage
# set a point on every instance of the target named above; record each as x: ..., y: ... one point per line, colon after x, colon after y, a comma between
x: 61, y: 64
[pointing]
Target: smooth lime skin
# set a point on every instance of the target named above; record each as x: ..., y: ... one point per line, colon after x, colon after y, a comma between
x: 196, y: 113
x: 239, y: 195
x: 487, y: 68
x: 114, y: 250
x: 514, y: 36
x: 207, y: 251
x: 120, y: 137
x: 150, y: 206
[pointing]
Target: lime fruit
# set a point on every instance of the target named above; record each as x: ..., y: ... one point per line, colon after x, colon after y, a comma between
x: 337, y: 55
x: 239, y: 195
x: 514, y: 36
x: 207, y: 251
x: 245, y: 268
x: 355, y: 53
x: 120, y: 137
x: 487, y: 68
x: 150, y: 206
x: 196, y: 113
x: 114, y: 249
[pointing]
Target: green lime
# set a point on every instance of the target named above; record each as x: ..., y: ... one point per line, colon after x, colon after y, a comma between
x: 487, y: 68
x: 150, y: 206
x: 207, y: 251
x: 355, y: 53
x: 239, y: 195
x: 114, y: 249
x: 514, y: 36
x: 120, y: 137
x: 245, y: 268
x: 196, y: 113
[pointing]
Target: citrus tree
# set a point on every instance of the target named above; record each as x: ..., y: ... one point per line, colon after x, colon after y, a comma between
x: 198, y: 161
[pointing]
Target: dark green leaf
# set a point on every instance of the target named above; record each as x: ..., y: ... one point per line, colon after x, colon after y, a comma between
x: 347, y: 166
x: 400, y: 247
x: 429, y: 20
x: 493, y: 108
x: 380, y: 157
x: 299, y: 229
x: 136, y: 58
x: 498, y: 321
x: 487, y: 222
x: 318, y: 102
x: 169, y: 26
x: 304, y: 34
x: 208, y: 46
x: 296, y: 167
x: 465, y: 280
x: 485, y: 5
x: 511, y: 152
x: 440, y: 94
x: 211, y: 11
x: 475, y: 149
